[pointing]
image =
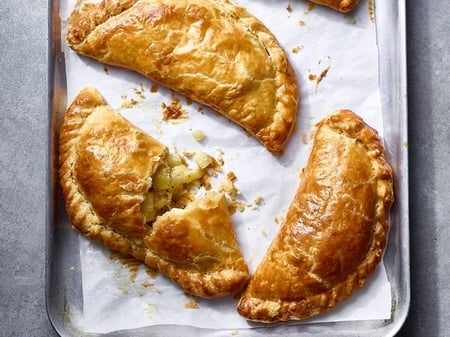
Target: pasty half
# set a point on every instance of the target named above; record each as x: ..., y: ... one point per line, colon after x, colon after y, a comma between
x: 125, y: 190
x: 211, y: 51
x: 343, y: 6
x: 335, y: 229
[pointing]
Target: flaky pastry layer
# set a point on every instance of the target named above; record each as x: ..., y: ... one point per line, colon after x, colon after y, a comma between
x: 107, y: 168
x: 335, y: 229
x: 211, y: 51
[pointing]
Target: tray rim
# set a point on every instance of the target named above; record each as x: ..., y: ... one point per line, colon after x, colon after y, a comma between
x: 399, y: 95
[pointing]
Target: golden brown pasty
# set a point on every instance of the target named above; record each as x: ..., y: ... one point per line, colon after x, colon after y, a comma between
x: 125, y: 190
x: 211, y: 51
x: 335, y: 228
x: 343, y: 6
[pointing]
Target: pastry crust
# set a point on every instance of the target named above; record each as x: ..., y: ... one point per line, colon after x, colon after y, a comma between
x: 107, y: 167
x: 343, y: 6
x: 211, y: 51
x: 335, y: 229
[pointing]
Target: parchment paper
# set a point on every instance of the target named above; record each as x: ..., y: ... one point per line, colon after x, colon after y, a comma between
x: 321, y: 43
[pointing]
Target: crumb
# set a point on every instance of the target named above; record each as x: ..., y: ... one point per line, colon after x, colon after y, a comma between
x: 258, y: 199
x: 231, y: 175
x: 198, y: 135
x: 72, y: 268
x: 191, y: 305
x: 128, y: 104
x: 139, y: 93
x: 220, y: 159
x: 154, y: 88
x: 289, y: 8
x: 309, y: 8
x: 301, y: 23
x: 188, y: 101
x: 353, y: 22
x: 174, y: 111
x: 264, y: 232
x: 106, y: 70
x: 296, y: 49
x: 234, y: 332
x: 279, y: 219
x: 188, y: 153
x: 304, y: 138
x: 147, y: 284
x: 312, y: 77
x: 322, y: 75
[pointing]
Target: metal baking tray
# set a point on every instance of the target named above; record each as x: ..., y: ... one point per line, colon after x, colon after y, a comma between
x: 63, y: 276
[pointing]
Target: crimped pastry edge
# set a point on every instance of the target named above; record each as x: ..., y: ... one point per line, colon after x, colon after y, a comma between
x: 274, y: 136
x: 218, y: 283
x: 266, y: 311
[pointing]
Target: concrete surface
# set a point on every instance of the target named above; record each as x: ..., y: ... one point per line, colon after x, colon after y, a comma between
x: 23, y: 111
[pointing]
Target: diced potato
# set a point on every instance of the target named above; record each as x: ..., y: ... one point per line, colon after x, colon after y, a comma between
x: 161, y: 178
x: 162, y: 199
x: 202, y: 159
x: 198, y: 135
x: 174, y: 160
x: 181, y: 175
x: 147, y: 207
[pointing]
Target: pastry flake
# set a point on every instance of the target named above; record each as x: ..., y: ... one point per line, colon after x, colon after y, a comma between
x: 335, y: 229
x: 213, y: 52
x: 124, y: 189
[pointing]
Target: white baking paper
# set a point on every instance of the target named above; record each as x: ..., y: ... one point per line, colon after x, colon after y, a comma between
x: 317, y: 40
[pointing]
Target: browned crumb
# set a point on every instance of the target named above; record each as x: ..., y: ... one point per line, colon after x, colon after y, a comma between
x: 296, y: 49
x: 146, y: 284
x: 106, y: 70
x: 174, y: 111
x: 301, y: 23
x: 309, y: 7
x: 191, y: 305
x: 139, y: 92
x: 289, y: 8
x: 231, y: 175
x: 322, y: 75
x: 154, y: 88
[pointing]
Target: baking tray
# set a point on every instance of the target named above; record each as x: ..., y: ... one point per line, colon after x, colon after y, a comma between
x: 63, y: 276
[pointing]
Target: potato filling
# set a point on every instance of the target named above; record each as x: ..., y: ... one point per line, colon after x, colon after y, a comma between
x: 172, y: 183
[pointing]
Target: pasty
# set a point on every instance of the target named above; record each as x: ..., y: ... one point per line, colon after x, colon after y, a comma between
x: 125, y: 190
x: 335, y: 229
x: 211, y: 51
x: 343, y: 6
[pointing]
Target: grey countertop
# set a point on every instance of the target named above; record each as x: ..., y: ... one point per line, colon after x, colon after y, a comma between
x: 23, y: 98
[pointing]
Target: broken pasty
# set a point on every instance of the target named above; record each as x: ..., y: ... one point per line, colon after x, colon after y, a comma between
x: 210, y: 51
x: 125, y: 190
x: 335, y: 229
x: 343, y: 6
